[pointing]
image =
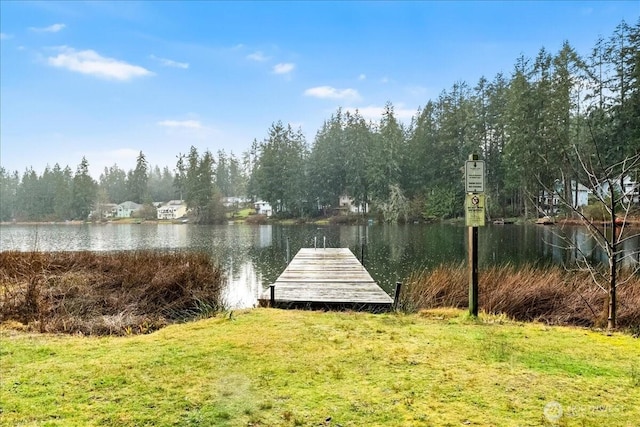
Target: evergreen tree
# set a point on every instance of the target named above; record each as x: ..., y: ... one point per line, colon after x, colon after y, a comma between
x: 9, y: 184
x: 358, y: 158
x: 327, y: 171
x: 496, y: 110
x: 222, y: 174
x: 27, y: 197
x: 422, y: 162
x: 196, y: 179
x: 384, y: 169
x: 521, y: 147
x: 114, y: 181
x: 62, y: 204
x: 237, y: 178
x: 84, y: 190
x: 161, y: 188
x: 180, y: 177
x: 280, y: 172
x: 138, y: 180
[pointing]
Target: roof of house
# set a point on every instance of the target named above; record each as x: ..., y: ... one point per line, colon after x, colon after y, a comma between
x: 129, y: 205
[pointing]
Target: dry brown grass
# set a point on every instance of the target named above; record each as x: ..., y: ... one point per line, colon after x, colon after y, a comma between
x: 256, y: 219
x: 548, y: 294
x: 105, y: 293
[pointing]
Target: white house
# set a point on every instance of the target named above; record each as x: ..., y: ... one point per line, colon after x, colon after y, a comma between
x: 582, y: 195
x: 346, y: 203
x: 630, y: 189
x: 126, y: 209
x: 233, y: 201
x: 263, y: 208
x: 104, y: 210
x: 173, y: 209
x: 550, y: 202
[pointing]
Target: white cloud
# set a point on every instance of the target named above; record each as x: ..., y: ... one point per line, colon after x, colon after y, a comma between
x: 50, y: 29
x: 187, y: 124
x: 328, y: 92
x: 91, y: 63
x: 5, y: 36
x: 385, y: 79
x: 258, y: 57
x: 283, y: 68
x: 170, y: 63
x: 362, y: 77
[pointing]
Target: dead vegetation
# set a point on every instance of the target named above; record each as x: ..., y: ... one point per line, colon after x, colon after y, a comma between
x: 547, y: 294
x: 106, y: 293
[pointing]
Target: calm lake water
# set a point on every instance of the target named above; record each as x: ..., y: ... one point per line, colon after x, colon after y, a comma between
x: 254, y: 255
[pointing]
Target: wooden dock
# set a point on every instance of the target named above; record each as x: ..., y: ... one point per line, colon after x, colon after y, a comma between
x: 327, y: 278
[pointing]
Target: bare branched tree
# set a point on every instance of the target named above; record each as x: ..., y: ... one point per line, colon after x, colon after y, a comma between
x: 615, y: 189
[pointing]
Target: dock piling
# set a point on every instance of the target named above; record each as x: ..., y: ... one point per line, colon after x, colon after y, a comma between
x: 396, y: 298
x: 272, y: 299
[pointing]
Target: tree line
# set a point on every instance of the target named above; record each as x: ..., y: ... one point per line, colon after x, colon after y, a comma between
x: 60, y: 194
x: 531, y: 128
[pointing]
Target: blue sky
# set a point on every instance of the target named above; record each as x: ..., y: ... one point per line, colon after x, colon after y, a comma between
x: 109, y: 79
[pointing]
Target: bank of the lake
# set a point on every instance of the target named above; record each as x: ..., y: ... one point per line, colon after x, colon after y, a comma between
x: 253, y: 256
x: 267, y: 367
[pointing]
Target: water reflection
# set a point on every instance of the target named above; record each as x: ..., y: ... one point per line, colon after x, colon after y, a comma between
x: 254, y: 256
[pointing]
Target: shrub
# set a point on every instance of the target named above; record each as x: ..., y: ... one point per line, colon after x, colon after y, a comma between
x: 106, y: 293
x: 256, y: 219
x: 596, y: 211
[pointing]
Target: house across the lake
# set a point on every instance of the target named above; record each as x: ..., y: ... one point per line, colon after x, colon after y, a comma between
x: 173, y: 209
x: 630, y: 189
x: 126, y: 209
x: 103, y: 211
x: 550, y: 201
x: 234, y: 201
x: 263, y: 208
x: 347, y: 205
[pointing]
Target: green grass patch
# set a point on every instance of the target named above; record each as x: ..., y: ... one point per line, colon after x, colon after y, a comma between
x: 242, y: 214
x: 267, y: 367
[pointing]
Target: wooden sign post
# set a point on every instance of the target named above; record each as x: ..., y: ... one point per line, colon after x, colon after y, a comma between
x: 474, y: 218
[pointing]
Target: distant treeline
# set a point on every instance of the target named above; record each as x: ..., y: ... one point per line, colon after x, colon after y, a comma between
x: 529, y: 127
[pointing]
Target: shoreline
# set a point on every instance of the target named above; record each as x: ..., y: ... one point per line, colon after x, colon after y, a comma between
x: 633, y: 222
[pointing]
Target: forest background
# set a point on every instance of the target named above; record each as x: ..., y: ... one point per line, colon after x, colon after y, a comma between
x: 530, y: 127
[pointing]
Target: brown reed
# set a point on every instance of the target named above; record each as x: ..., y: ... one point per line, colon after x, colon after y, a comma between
x: 548, y: 294
x: 106, y: 293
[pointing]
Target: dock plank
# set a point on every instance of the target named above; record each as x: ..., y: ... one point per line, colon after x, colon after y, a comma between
x: 331, y: 276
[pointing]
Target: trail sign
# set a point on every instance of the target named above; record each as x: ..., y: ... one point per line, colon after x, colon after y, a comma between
x: 474, y: 176
x: 474, y: 210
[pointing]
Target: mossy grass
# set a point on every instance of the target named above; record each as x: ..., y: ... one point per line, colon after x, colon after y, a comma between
x: 267, y: 367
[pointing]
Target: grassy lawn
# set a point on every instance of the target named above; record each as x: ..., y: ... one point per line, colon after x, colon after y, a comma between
x: 267, y: 367
x: 241, y: 214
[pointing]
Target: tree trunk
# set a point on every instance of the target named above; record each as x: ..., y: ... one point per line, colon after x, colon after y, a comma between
x: 613, y: 261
